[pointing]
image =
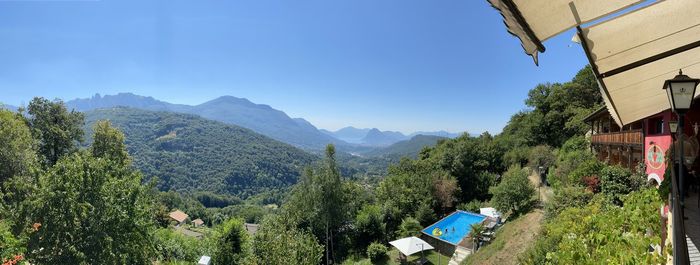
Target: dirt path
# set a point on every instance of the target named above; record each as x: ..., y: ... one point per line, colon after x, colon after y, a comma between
x: 511, y: 240
x: 545, y: 191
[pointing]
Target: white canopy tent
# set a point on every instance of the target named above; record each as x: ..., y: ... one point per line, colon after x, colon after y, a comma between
x: 631, y: 54
x: 410, y: 245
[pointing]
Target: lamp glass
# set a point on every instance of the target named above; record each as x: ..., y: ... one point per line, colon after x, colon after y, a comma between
x: 682, y: 94
x: 673, y: 125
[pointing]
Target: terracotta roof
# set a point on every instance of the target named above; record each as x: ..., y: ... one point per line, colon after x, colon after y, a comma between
x: 198, y: 222
x: 178, y: 216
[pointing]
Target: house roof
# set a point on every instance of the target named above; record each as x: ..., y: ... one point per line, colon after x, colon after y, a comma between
x: 600, y: 111
x: 178, y: 216
x: 198, y: 221
x: 251, y: 228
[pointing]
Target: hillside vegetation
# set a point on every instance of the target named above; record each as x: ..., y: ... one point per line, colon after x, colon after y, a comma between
x: 189, y: 153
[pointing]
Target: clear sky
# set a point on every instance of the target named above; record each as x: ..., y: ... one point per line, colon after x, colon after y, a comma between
x: 402, y: 65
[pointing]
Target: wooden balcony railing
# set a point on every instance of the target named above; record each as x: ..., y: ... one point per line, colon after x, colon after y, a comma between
x: 619, y: 138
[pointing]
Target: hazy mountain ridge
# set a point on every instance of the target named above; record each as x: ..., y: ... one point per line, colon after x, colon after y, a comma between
x: 354, y: 135
x: 232, y: 110
x: 375, y: 137
x: 409, y: 148
x: 9, y: 107
x: 188, y: 152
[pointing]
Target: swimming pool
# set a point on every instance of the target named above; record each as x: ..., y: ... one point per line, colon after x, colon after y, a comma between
x: 458, y: 225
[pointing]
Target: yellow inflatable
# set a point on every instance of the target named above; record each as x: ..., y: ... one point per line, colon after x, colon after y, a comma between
x: 437, y: 231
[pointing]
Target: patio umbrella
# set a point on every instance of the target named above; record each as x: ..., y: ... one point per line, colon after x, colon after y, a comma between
x: 410, y: 245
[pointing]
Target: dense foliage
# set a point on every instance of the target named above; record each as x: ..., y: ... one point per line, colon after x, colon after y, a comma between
x: 57, y: 130
x: 278, y: 242
x: 602, y: 231
x: 515, y: 194
x: 94, y: 205
x: 189, y: 153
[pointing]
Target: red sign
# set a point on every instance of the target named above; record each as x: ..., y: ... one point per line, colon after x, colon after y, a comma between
x: 655, y: 156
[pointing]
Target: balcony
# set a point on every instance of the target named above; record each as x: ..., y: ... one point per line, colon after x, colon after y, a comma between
x: 635, y: 137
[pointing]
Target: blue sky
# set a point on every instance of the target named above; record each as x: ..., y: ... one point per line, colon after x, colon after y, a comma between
x: 402, y: 65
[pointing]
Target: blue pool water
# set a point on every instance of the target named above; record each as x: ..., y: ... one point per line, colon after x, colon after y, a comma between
x: 461, y: 222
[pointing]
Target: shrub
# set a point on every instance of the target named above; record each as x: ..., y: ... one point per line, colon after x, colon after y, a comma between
x: 409, y: 227
x: 617, y: 181
x: 598, y: 232
x: 592, y: 183
x: 472, y: 206
x: 586, y: 169
x: 369, y: 224
x: 376, y: 251
x: 565, y: 198
x: 515, y: 194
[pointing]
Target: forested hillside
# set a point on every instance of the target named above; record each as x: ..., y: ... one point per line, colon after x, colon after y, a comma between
x: 260, y: 118
x: 189, y: 153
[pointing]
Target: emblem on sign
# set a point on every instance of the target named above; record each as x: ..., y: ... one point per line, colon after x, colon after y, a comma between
x: 655, y: 156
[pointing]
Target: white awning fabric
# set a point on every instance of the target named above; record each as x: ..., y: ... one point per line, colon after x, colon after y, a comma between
x: 624, y: 50
x: 631, y: 54
x: 410, y: 245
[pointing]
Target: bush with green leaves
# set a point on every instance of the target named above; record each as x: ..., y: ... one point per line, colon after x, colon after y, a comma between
x: 173, y: 246
x: 10, y: 246
x: 565, y: 198
x: 601, y: 231
x: 232, y: 244
x: 473, y: 206
x: 515, y: 194
x: 369, y: 225
x: 409, y: 227
x: 616, y: 181
x: 280, y: 242
x: 376, y: 251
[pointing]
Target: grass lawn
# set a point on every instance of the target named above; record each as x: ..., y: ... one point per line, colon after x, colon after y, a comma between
x: 512, y: 239
x: 393, y: 257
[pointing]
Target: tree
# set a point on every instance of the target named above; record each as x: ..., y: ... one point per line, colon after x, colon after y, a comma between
x: 232, y: 243
x: 515, y: 193
x: 409, y: 227
x: 278, y: 242
x: 108, y: 143
x: 18, y: 169
x: 57, y: 130
x: 476, y: 233
x: 317, y: 202
x: 369, y: 226
x: 541, y: 156
x: 91, y: 211
x: 17, y: 153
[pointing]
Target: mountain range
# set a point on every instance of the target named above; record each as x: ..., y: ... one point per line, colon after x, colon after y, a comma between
x: 260, y: 118
x: 231, y: 110
x: 9, y: 107
x: 376, y: 137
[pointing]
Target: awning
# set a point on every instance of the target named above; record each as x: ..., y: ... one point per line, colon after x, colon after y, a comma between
x: 631, y: 54
x: 534, y: 21
x: 635, y: 53
x: 410, y: 245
